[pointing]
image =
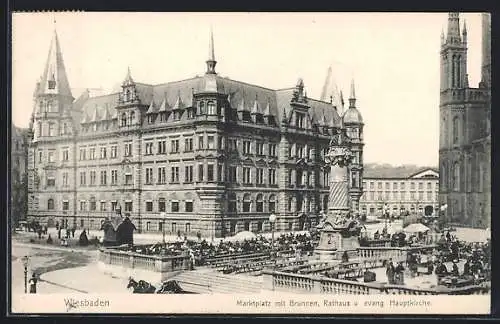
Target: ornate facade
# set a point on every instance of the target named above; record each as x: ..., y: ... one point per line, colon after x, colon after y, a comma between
x: 216, y: 155
x: 465, y: 134
x: 18, y: 177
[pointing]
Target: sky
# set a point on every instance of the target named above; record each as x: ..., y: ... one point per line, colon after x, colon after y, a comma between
x: 392, y: 57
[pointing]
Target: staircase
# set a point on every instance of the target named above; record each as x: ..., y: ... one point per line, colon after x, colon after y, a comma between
x: 210, y: 281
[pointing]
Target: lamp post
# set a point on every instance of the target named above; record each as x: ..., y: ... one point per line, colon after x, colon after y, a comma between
x: 272, y: 219
x: 25, y: 259
x: 163, y: 215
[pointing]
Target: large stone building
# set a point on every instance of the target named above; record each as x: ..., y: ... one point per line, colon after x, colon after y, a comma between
x: 18, y: 176
x: 416, y: 193
x: 216, y: 155
x: 465, y: 134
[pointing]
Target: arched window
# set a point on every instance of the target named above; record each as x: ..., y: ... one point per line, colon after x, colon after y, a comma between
x: 232, y: 204
x: 211, y: 108
x: 124, y: 119
x: 325, y: 203
x: 456, y: 176
x: 290, y: 203
x: 300, y: 200
x: 132, y: 117
x: 93, y: 205
x: 453, y: 70
x: 259, y: 203
x: 247, y: 203
x: 456, y: 129
x: 201, y: 108
x: 272, y: 203
x: 50, y: 204
x: 127, y: 95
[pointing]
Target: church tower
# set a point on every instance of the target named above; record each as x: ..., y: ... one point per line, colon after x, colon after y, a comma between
x: 51, y: 152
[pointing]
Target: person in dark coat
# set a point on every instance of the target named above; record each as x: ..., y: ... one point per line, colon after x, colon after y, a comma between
x: 68, y: 232
x: 84, y: 240
x: 33, y: 281
x: 467, y: 268
x: 57, y: 226
x: 125, y: 232
x: 399, y: 273
x: 454, y: 270
x: 389, y: 271
x: 73, y: 230
x: 49, y: 240
x: 345, y: 257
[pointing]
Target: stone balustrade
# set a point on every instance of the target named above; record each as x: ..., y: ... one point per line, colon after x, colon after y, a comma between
x: 297, y: 283
x: 146, y: 266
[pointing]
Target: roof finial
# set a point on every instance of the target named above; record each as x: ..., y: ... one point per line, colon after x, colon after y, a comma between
x: 211, y: 62
x: 352, y: 97
x: 128, y: 79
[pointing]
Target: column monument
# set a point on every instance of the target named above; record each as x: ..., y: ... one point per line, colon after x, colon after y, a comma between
x: 339, y: 230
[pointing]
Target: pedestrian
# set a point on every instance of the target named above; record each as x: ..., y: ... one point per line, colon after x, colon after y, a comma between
x: 39, y: 233
x: 389, y: 271
x: 57, y: 226
x: 400, y: 273
x: 68, y: 233
x: 59, y: 233
x: 32, y: 283
x: 49, y: 240
x: 73, y: 230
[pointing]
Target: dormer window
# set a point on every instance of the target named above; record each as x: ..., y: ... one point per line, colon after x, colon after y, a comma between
x: 132, y: 118
x: 299, y: 120
x: 211, y: 108
x: 201, y: 108
x: 177, y: 115
x: 190, y: 113
x: 151, y: 119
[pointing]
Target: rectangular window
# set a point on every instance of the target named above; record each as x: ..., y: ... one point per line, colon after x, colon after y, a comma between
x: 175, y: 206
x: 114, y: 151
x: 40, y: 156
x: 220, y: 173
x: 93, y: 205
x: 83, y: 205
x: 51, y: 156
x: 299, y: 151
x: 128, y: 179
x: 247, y: 146
x: 420, y: 195
x: 149, y: 148
x: 149, y: 206
x: 412, y: 186
x: 259, y: 148
x: 188, y: 174
x: 162, y: 175
x: 83, y: 178
x: 387, y: 186
x: 51, y: 182
x: 65, y: 154
x: 149, y: 175
x: 379, y: 185
x: 395, y: 186
x: 272, y: 177
x: 65, y: 205
x: 232, y: 144
x: 174, y: 146
x: 128, y: 206
x: 82, y: 154
x: 429, y: 186
x: 429, y: 195
x: 162, y: 147
x: 200, y: 172
x: 260, y: 176
x: 103, y: 206
x: 92, y: 178
x: 128, y: 149
x: 162, y: 206
x: 232, y: 174
x: 189, y: 206
x: 246, y: 175
x: 113, y: 205
x: 104, y: 152
x: 188, y: 144
x: 211, y: 142
x: 402, y: 186
x: 299, y: 120
x: 210, y: 172
x: 221, y: 142
x: 104, y: 178
x: 175, y: 174
x: 272, y: 150
x: 92, y: 153
x: 114, y: 177
x: 201, y: 142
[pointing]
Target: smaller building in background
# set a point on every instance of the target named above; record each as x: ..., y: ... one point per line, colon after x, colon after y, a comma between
x: 415, y: 192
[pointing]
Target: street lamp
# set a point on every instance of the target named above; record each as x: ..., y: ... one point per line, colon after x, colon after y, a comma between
x: 272, y: 219
x: 26, y: 260
x: 163, y: 215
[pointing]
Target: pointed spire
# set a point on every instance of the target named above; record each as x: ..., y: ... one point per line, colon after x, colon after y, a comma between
x: 255, y: 107
x: 152, y: 108
x: 128, y: 79
x: 453, y: 36
x: 164, y: 105
x: 178, y: 103
x: 267, y: 111
x: 342, y: 102
x: 95, y: 115
x: 211, y: 62
x: 284, y: 119
x: 326, y: 85
x: 353, y: 90
x: 464, y: 32
x: 54, y: 79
